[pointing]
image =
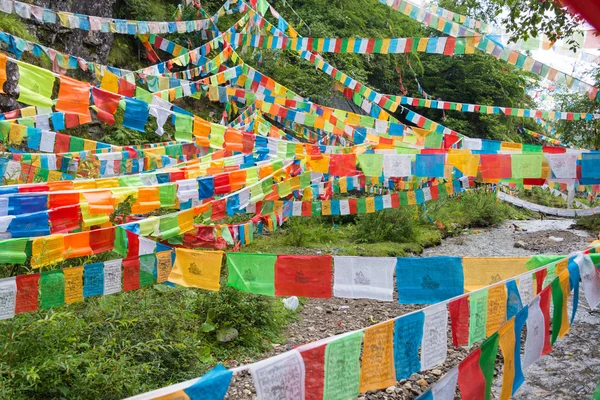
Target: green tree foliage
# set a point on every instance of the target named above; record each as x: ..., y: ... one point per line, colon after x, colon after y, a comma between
x: 584, y: 134
x: 523, y: 19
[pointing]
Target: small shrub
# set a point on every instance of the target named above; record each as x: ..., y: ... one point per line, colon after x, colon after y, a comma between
x: 301, y: 232
x: 396, y: 225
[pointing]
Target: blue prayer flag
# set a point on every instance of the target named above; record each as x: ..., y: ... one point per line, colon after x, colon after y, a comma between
x: 430, y: 165
x: 212, y: 386
x: 428, y: 280
x: 93, y: 279
x: 136, y: 114
x: 408, y: 333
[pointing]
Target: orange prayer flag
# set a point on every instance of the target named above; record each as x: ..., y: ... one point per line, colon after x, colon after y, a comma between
x: 201, y: 131
x: 77, y: 245
x: 99, y: 202
x: 233, y: 140
x: 73, y: 97
x: 237, y: 179
x: 148, y: 200
x: 2, y: 72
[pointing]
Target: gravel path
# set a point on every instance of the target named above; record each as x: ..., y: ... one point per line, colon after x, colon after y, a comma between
x: 571, y: 370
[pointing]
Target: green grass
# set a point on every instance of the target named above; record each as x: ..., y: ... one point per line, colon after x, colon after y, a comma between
x: 116, y: 346
x: 388, y: 233
x: 591, y: 223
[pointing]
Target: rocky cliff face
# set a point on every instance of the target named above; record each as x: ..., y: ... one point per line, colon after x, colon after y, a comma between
x: 91, y: 46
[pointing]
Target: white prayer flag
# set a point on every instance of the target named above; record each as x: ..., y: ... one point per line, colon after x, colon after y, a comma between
x: 364, y: 277
x: 434, y: 348
x: 534, y: 343
x: 280, y: 377
x: 8, y: 297
x: 589, y: 280
x: 396, y: 165
x: 112, y: 276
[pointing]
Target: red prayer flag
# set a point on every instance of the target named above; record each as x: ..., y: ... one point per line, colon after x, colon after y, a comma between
x: 306, y: 276
x: 450, y: 46
x: 71, y: 120
x: 539, y: 279
x: 133, y: 245
x: 64, y: 219
x: 495, y: 166
x: 131, y: 274
x: 459, y: 320
x: 106, y: 104
x: 342, y: 165
x: 545, y: 297
x: 61, y: 143
x: 102, y: 240
x: 471, y: 380
x: 221, y: 184
x: 27, y: 293
x: 126, y: 88
x: 219, y: 209
x: 314, y: 364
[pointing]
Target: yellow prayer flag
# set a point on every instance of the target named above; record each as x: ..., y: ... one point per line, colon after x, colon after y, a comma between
x: 185, y: 220
x: 163, y: 266
x: 110, y: 82
x: 370, y: 203
x: 377, y: 369
x: 565, y: 286
x: 47, y: 250
x: 481, y: 272
x: 343, y: 185
x: 468, y: 164
x: 325, y: 207
x: 73, y: 284
x: 507, y: 343
x: 496, y: 309
x: 411, y: 197
x: 201, y: 269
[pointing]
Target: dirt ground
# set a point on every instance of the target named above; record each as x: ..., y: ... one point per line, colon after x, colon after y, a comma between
x: 570, y: 371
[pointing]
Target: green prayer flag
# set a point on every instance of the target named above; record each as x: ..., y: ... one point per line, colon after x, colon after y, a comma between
x: 120, y: 241
x: 168, y: 195
x: 147, y: 269
x: 527, y: 165
x: 487, y: 360
x: 35, y: 85
x: 252, y: 273
x: 169, y: 226
x: 52, y: 288
x: 316, y: 208
x: 531, y: 148
x: 130, y: 181
x: 76, y: 144
x: 12, y: 251
x: 183, y: 127
x: 342, y: 367
x: 267, y: 207
x: 540, y: 260
x: 433, y: 140
x: 371, y: 164
x: 361, y: 205
x: 26, y: 122
x: 557, y: 302
x: 266, y: 187
x: 459, y: 48
x: 478, y: 309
